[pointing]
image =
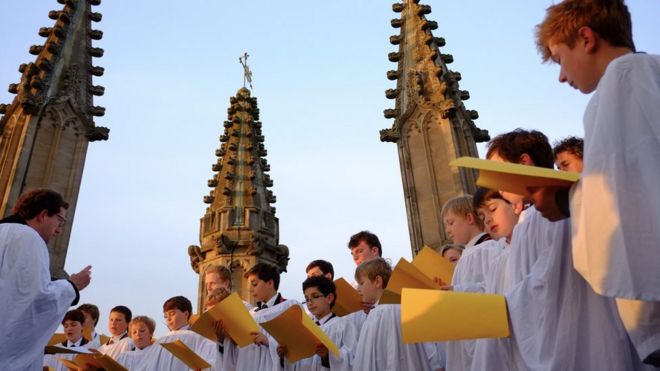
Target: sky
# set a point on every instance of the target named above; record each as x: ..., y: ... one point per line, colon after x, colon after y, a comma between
x: 319, y: 76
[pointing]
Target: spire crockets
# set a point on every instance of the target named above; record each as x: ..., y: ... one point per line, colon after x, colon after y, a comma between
x: 239, y: 228
x: 45, y: 131
x: 431, y: 125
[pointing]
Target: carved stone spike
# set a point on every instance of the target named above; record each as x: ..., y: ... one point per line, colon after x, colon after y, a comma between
x: 96, y: 34
x: 391, y: 93
x: 397, y: 7
x: 45, y: 31
x: 395, y: 39
x: 95, y: 52
x: 224, y: 138
x: 227, y: 124
x: 96, y: 70
x: 472, y: 114
x: 464, y: 95
x: 22, y: 67
x: 454, y: 76
x: 208, y: 199
x: 98, y: 133
x: 94, y: 2
x: 95, y: 17
x: 220, y: 152
x: 13, y: 88
x: 260, y: 138
x: 447, y: 58
x: 429, y: 25
x: 390, y: 113
x: 233, y: 100
x: 257, y: 124
x: 36, y: 49
x: 44, y: 64
x: 3, y: 108
x: 440, y: 41
x: 97, y: 111
x: 394, y: 56
x: 97, y: 90
x: 216, y: 167
x: 396, y: 22
x: 424, y: 9
x: 54, y: 14
x: 262, y: 152
x: 389, y: 135
x: 392, y: 75
x: 268, y: 182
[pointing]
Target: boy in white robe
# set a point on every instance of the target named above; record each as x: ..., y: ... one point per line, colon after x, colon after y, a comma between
x: 177, y: 312
x: 139, y: 358
x: 72, y: 324
x: 380, y: 345
x: 92, y: 314
x: 33, y: 304
x: 557, y: 322
x: 364, y: 246
x: 119, y: 342
x: 615, y: 216
x: 569, y: 154
x: 263, y: 282
x: 320, y: 294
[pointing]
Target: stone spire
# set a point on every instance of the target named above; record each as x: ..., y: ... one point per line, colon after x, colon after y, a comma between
x: 431, y: 125
x: 45, y: 131
x: 239, y: 228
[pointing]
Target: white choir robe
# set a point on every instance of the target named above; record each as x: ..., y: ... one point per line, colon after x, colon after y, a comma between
x: 138, y: 359
x: 380, y: 345
x: 470, y: 276
x: 113, y: 350
x: 261, y: 357
x: 51, y: 360
x: 357, y: 319
x: 615, y: 208
x: 161, y: 358
x: 343, y: 334
x: 95, y: 341
x: 33, y: 305
x: 557, y: 321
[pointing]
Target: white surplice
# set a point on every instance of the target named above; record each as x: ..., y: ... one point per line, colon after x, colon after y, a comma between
x: 380, y: 345
x: 343, y: 334
x: 117, y: 348
x: 261, y: 357
x: 32, y: 305
x: 557, y: 321
x: 138, y: 359
x: 615, y: 206
x: 163, y: 359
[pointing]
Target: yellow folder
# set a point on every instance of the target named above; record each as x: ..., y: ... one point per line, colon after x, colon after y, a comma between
x: 295, y: 329
x: 235, y: 317
x: 93, y: 362
x: 405, y: 274
x: 389, y: 297
x: 186, y: 355
x: 60, y: 349
x: 57, y: 338
x: 348, y: 299
x: 515, y: 178
x: 436, y: 315
x: 432, y: 264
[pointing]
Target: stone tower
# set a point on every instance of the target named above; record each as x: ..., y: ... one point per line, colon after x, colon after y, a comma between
x: 239, y: 228
x: 431, y: 125
x: 45, y: 131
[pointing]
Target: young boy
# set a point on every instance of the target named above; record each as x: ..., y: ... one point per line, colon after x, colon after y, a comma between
x: 556, y: 320
x: 141, y: 330
x: 380, y: 345
x: 568, y: 154
x: 72, y: 324
x: 263, y: 282
x: 616, y: 220
x: 320, y: 268
x: 320, y: 295
x: 462, y: 225
x: 119, y: 341
x: 177, y: 311
x: 91, y: 313
x: 452, y: 252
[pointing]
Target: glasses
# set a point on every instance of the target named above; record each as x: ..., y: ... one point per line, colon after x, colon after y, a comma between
x: 61, y: 219
x: 313, y: 297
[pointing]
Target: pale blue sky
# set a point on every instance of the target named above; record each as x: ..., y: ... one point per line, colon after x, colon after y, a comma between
x: 319, y: 74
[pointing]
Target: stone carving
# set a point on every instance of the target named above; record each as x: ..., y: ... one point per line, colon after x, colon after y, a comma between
x: 196, y: 257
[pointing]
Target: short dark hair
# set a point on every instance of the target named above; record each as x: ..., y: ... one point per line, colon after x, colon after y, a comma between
x: 367, y: 237
x: 128, y: 316
x: 483, y: 195
x: 31, y: 203
x: 573, y: 145
x: 92, y: 310
x: 325, y: 286
x: 178, y: 302
x: 325, y: 267
x: 265, y: 272
x: 74, y: 315
x: 510, y: 146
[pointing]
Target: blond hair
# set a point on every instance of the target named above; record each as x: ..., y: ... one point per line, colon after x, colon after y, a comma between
x: 610, y: 19
x: 461, y: 206
x: 223, y: 272
x: 150, y: 323
x: 373, y: 268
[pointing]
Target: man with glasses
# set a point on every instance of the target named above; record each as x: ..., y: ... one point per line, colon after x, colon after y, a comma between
x: 33, y: 303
